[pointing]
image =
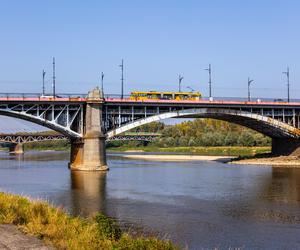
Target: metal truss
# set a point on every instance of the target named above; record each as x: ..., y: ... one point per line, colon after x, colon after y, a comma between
x: 116, y: 115
x: 66, y: 115
x: 147, y: 138
x: 30, y: 138
x: 264, y: 122
x: 62, y: 117
x: 25, y: 138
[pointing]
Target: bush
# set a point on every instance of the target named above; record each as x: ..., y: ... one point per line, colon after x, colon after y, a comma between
x: 108, y: 227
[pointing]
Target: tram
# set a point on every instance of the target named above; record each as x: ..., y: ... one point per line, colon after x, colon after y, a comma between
x: 156, y: 95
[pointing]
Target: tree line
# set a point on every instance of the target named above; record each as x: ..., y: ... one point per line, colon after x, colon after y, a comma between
x: 204, y: 132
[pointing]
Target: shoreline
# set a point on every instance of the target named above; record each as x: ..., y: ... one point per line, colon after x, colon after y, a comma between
x: 172, y: 157
x: 275, y: 161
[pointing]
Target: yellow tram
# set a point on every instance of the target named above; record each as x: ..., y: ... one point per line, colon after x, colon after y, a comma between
x: 156, y: 95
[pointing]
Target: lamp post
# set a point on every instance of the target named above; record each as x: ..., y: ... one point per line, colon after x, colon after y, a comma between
x: 53, y: 82
x: 209, y: 80
x: 102, y: 88
x: 249, y: 83
x: 287, y: 73
x: 44, y: 73
x: 122, y: 78
x: 180, y: 78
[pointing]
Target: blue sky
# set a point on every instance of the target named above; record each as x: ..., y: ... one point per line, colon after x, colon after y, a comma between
x: 157, y: 39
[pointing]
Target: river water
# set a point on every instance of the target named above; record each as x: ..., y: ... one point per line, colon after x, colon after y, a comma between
x: 196, y: 204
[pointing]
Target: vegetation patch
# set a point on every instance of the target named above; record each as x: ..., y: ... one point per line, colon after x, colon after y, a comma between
x: 63, y: 231
x: 204, y: 132
x: 58, y: 145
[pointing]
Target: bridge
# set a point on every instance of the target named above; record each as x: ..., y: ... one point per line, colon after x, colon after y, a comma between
x: 16, y: 141
x: 89, y: 120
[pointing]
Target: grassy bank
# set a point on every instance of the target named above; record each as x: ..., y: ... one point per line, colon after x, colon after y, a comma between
x: 215, y: 151
x: 57, y: 145
x: 59, y: 229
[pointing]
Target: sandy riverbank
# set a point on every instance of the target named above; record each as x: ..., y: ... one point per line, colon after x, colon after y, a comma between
x: 165, y: 157
x: 280, y: 161
x: 286, y: 161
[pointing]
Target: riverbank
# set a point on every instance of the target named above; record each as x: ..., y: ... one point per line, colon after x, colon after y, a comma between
x: 169, y: 157
x: 203, y: 151
x: 268, y: 159
x: 62, y: 231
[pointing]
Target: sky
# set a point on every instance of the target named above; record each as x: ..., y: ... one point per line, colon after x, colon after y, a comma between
x: 158, y: 40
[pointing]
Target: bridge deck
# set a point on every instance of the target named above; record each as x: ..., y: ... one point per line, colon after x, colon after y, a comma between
x: 199, y: 102
x: 5, y: 99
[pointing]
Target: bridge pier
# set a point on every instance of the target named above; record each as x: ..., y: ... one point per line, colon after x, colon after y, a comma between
x: 285, y: 146
x: 89, y: 154
x: 16, y: 148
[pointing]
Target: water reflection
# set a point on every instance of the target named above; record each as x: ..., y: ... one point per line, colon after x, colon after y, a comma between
x: 87, y: 192
x: 284, y: 185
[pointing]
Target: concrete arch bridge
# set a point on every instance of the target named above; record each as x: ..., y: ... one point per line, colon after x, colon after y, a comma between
x: 89, y: 121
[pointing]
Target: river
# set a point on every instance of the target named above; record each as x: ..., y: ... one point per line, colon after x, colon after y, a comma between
x: 197, y: 204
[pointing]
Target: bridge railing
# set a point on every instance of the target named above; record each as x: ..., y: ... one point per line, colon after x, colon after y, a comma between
x: 141, y: 133
x: 116, y: 97
x: 41, y: 97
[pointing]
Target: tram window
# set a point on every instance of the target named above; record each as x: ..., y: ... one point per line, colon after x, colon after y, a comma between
x: 151, y: 96
x: 167, y: 96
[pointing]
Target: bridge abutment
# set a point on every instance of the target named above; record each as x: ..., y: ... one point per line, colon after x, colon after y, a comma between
x: 89, y: 154
x: 285, y: 146
x: 16, y: 148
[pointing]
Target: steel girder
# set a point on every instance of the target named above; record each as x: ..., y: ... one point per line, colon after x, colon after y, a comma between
x: 25, y: 138
x: 62, y: 117
x: 30, y: 138
x: 147, y: 138
x: 263, y: 124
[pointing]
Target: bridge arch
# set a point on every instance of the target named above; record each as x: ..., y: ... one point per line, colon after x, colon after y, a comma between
x: 51, y: 124
x: 263, y: 124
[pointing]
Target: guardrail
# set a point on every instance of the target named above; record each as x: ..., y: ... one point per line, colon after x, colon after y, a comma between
x: 81, y: 97
x: 40, y: 97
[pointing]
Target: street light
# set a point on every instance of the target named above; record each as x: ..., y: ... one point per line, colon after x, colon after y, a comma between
x: 53, y: 82
x: 287, y: 73
x: 209, y: 80
x: 249, y: 82
x: 102, y: 89
x: 180, y: 78
x: 122, y: 78
x: 44, y: 73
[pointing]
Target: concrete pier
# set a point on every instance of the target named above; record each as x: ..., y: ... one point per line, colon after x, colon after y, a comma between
x: 16, y: 148
x: 89, y: 153
x: 286, y: 146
